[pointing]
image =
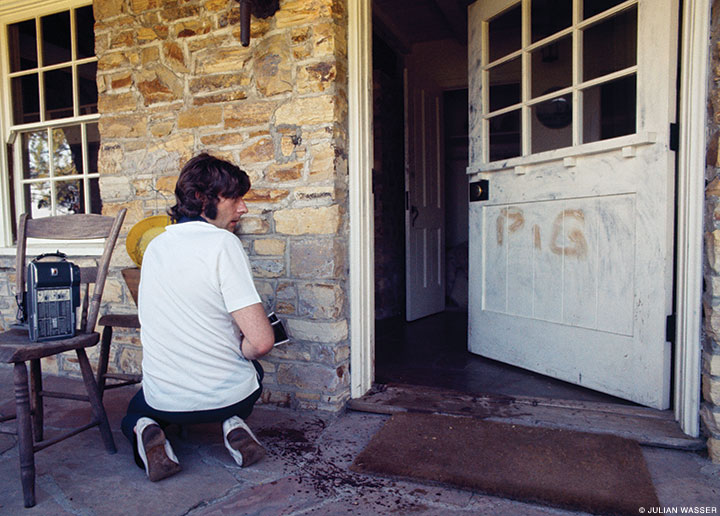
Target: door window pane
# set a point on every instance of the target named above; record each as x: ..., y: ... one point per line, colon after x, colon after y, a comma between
x: 22, y: 40
x: 505, y: 136
x: 84, y: 23
x: 36, y: 154
x: 549, y: 17
x: 56, y: 38
x: 552, y: 67
x: 26, y: 99
x: 593, y: 7
x: 505, y: 82
x: 504, y: 33
x: 609, y: 109
x: 58, y: 93
x: 552, y: 124
x: 610, y: 45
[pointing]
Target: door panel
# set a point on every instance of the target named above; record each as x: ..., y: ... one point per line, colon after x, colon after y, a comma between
x: 571, y: 256
x: 425, y: 209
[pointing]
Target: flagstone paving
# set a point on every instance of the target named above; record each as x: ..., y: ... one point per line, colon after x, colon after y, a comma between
x: 306, y: 471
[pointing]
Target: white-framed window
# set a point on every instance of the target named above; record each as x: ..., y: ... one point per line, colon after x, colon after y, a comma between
x: 49, y: 112
x: 558, y: 74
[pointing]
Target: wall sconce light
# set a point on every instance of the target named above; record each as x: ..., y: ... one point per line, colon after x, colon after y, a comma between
x: 259, y: 9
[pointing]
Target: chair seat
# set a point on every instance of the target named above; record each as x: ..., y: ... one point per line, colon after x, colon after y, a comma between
x: 15, y: 345
x: 120, y: 320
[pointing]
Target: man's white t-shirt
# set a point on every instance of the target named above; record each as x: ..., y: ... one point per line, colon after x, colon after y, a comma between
x: 192, y: 276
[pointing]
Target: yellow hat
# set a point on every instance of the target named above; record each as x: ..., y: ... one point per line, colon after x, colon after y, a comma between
x: 142, y: 233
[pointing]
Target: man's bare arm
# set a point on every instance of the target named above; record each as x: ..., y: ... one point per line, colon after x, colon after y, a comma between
x: 258, y: 335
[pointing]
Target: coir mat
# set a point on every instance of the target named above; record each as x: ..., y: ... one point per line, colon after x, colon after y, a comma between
x: 596, y: 473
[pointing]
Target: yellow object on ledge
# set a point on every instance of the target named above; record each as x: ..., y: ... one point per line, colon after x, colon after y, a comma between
x: 142, y: 233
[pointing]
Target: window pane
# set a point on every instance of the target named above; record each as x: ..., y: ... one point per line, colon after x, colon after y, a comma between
x: 87, y: 88
x: 552, y: 67
x: 67, y: 151
x: 22, y: 42
x: 26, y: 99
x: 69, y: 197
x: 36, y: 157
x: 610, y: 45
x: 37, y: 199
x: 56, y: 38
x: 549, y: 17
x: 505, y: 84
x: 58, y: 94
x: 95, y: 200
x: 593, y: 7
x: 609, y: 110
x: 85, y: 27
x: 93, y: 147
x: 505, y: 136
x: 504, y: 34
x: 551, y: 124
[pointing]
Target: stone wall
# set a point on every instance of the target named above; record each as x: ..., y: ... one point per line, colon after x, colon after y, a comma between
x: 174, y: 80
x: 710, y: 409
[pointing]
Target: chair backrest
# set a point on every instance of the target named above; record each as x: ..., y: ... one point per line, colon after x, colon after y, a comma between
x: 73, y: 227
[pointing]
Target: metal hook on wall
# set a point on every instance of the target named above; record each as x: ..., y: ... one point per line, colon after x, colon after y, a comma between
x: 259, y: 9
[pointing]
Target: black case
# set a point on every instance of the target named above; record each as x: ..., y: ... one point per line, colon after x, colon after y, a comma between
x: 52, y: 298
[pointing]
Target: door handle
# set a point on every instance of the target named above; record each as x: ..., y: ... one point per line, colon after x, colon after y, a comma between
x: 413, y: 215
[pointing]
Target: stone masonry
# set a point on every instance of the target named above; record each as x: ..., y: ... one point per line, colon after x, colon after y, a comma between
x: 710, y: 408
x: 174, y: 80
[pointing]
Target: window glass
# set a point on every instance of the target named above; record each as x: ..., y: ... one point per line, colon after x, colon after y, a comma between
x: 609, y: 109
x: 505, y: 136
x: 22, y: 40
x: 56, y: 38
x: 549, y: 17
x: 504, y: 33
x: 58, y: 93
x: 552, y: 124
x: 610, y: 45
x: 593, y: 7
x: 85, y: 40
x: 92, y: 136
x: 26, y: 99
x: 69, y: 197
x: 37, y: 199
x: 552, y: 66
x: 67, y: 151
x: 87, y: 88
x: 505, y: 84
x: 36, y: 154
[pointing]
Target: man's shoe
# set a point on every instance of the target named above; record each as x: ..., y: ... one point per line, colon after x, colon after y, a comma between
x: 241, y: 442
x: 155, y: 451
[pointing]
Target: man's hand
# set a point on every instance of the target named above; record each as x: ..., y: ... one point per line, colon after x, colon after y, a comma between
x: 258, y: 335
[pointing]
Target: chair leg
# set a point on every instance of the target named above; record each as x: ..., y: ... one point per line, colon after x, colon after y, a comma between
x: 96, y: 404
x: 25, y: 438
x: 36, y: 400
x: 104, y: 358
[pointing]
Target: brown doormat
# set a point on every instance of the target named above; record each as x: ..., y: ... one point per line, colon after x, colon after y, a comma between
x: 596, y: 473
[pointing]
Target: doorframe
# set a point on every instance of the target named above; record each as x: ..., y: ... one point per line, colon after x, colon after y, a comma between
x: 690, y: 204
x: 692, y: 119
x: 360, y: 198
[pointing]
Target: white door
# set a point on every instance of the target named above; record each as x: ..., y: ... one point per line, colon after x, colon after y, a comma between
x: 571, y: 254
x: 424, y: 198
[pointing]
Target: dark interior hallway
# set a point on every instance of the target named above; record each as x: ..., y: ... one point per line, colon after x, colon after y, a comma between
x: 433, y: 351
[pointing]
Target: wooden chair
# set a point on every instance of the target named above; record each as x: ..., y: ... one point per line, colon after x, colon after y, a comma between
x: 16, y: 348
x: 110, y: 321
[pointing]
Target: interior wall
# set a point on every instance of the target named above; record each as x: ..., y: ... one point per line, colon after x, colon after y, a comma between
x: 388, y: 181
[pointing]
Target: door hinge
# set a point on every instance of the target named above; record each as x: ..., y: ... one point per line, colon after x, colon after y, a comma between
x: 670, y: 328
x: 674, y: 136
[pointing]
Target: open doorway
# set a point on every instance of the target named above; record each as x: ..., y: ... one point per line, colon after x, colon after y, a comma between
x: 432, y: 350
